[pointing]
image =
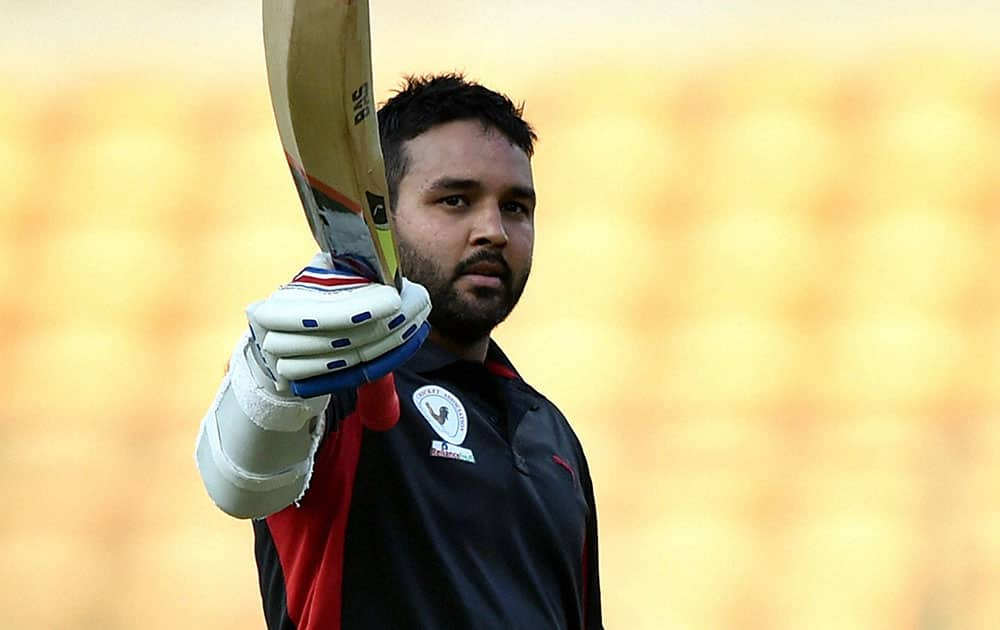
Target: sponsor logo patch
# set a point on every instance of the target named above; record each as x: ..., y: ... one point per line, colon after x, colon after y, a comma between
x: 450, y: 451
x: 445, y: 414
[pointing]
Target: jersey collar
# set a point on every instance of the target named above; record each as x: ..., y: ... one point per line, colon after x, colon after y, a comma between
x: 432, y: 357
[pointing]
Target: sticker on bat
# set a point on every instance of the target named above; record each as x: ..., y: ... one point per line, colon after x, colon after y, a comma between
x: 376, y: 204
x: 361, y: 107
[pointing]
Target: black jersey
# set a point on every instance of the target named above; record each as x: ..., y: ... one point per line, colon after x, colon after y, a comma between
x: 475, y: 511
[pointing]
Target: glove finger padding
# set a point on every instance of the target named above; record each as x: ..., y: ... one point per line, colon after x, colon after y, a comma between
x: 416, y: 302
x: 306, y: 344
x: 294, y: 309
x: 415, y: 306
x: 330, y: 330
x: 301, y: 367
x: 364, y: 373
x: 389, y: 333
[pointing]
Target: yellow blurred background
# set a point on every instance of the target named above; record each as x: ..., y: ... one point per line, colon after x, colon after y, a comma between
x: 764, y: 293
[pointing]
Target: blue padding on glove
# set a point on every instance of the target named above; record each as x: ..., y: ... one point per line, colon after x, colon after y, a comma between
x: 343, y: 380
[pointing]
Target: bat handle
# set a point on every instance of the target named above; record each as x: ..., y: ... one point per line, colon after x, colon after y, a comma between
x: 378, y: 404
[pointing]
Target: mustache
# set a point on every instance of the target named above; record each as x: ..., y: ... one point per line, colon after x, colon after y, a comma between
x: 485, y: 256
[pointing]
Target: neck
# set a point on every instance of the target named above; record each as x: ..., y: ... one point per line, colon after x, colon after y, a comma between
x: 475, y: 351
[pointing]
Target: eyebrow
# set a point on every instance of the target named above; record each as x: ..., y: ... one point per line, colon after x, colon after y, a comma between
x: 446, y: 184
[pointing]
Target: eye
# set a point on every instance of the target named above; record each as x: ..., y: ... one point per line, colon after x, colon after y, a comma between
x: 514, y: 207
x: 454, y: 201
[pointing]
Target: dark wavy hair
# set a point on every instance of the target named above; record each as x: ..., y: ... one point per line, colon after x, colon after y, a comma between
x: 427, y: 101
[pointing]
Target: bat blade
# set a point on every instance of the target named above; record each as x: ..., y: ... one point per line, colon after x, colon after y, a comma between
x: 318, y: 55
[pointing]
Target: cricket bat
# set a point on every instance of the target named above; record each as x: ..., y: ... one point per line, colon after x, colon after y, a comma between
x: 319, y: 71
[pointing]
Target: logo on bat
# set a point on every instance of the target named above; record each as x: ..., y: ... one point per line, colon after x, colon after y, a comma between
x: 362, y: 106
x: 376, y: 204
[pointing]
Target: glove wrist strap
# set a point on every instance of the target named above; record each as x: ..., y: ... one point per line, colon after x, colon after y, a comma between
x: 261, y: 403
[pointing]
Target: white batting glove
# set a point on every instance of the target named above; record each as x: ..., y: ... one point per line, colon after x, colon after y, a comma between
x: 329, y: 330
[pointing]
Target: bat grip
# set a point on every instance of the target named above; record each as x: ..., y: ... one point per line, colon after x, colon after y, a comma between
x: 378, y: 404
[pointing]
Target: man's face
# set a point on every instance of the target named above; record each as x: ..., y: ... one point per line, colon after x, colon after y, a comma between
x: 465, y: 225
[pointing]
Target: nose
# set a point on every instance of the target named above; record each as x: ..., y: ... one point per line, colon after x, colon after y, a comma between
x: 489, y: 229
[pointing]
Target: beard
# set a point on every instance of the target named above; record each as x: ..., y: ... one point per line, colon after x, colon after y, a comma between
x: 463, y: 316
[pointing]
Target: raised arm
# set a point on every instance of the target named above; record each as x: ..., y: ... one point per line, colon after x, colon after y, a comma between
x: 325, y: 332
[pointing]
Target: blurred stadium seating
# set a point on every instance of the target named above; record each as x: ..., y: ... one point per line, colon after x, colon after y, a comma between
x: 764, y: 292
